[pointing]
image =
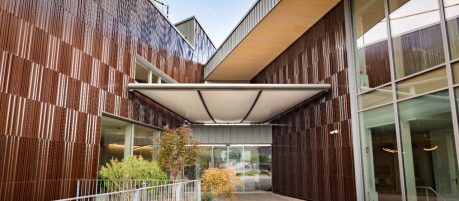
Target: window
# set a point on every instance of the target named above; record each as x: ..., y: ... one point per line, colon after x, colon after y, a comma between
x: 144, y: 142
x: 416, y: 36
x: 114, y: 134
x: 371, y: 54
x: 376, y: 97
x: 380, y: 159
x: 251, y: 162
x: 429, y: 152
x: 452, y: 21
x: 428, y: 81
x: 117, y: 140
x: 146, y: 72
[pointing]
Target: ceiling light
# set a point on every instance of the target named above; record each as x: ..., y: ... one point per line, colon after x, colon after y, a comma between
x: 430, y: 148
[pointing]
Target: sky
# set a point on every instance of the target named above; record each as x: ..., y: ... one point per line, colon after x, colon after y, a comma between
x: 217, y: 17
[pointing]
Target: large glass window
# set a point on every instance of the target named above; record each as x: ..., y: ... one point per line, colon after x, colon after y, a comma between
x: 429, y: 151
x: 117, y: 140
x: 452, y: 21
x: 376, y: 97
x: 114, y: 134
x: 416, y: 35
x: 252, y: 164
x: 429, y: 81
x: 380, y: 160
x: 371, y: 54
x: 144, y: 142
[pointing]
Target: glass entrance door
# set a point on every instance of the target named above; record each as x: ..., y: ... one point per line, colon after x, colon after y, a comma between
x: 428, y: 148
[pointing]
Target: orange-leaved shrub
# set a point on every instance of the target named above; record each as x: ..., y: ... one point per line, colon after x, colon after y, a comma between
x: 220, y: 182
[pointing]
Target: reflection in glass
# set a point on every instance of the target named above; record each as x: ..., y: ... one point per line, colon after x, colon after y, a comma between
x: 264, y: 166
x: 429, y: 151
x: 416, y: 35
x: 380, y: 159
x: 376, y: 97
x: 455, y: 67
x: 429, y: 81
x: 220, y: 156
x: 235, y: 162
x: 113, y: 137
x: 252, y: 164
x: 370, y: 38
x: 144, y: 142
x: 452, y: 21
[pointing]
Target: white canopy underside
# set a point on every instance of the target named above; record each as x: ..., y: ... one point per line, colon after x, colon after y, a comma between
x: 229, y: 103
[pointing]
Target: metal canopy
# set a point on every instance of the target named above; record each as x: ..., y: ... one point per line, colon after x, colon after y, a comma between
x: 229, y: 103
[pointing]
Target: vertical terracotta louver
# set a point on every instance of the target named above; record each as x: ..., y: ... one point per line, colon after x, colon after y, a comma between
x: 64, y: 63
x: 308, y: 162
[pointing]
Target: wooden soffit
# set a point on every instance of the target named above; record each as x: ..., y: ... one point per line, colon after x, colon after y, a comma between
x: 282, y: 26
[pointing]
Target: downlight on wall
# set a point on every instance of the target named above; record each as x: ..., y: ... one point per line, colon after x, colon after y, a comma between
x: 333, y: 132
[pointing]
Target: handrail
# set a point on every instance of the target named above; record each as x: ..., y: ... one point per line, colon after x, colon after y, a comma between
x: 431, y: 189
x: 184, y: 190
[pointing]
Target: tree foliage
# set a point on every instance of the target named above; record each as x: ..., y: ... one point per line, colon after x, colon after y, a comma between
x: 177, y: 149
x: 220, y: 182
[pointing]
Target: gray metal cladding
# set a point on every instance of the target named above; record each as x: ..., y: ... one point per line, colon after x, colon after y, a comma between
x: 255, y: 134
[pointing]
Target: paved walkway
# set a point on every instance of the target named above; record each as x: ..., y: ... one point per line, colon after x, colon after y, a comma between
x: 263, y: 196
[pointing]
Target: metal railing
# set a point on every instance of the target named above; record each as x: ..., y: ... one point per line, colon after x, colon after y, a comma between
x: 100, y: 186
x: 427, y: 189
x: 179, y: 191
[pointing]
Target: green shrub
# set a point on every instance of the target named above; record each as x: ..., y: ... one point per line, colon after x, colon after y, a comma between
x: 251, y: 172
x: 265, y: 172
x: 118, y: 173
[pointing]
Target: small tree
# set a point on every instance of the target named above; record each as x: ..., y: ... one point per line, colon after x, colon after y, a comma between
x: 177, y: 149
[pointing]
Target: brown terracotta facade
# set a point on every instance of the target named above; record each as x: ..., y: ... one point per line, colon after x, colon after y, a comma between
x: 308, y: 162
x: 62, y: 65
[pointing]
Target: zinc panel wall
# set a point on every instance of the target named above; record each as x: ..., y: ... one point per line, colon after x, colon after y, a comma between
x: 232, y: 134
x: 64, y: 63
x: 308, y: 162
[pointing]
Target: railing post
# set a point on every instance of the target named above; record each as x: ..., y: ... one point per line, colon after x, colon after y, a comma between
x: 427, y: 194
x: 78, y: 188
x: 178, y: 191
x: 136, y: 195
x: 198, y: 189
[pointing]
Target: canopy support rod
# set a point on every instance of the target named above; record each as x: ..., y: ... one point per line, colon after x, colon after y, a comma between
x: 253, y: 105
x: 205, y: 106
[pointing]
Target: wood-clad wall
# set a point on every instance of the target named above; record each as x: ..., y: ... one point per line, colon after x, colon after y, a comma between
x: 62, y: 64
x: 308, y: 162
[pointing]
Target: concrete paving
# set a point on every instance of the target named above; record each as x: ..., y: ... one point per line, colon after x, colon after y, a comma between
x: 263, y: 196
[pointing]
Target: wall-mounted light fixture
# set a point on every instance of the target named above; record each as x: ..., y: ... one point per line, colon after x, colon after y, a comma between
x: 333, y: 132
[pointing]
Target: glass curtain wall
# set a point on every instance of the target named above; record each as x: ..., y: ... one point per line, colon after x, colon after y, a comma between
x: 380, y: 158
x: 406, y: 57
x: 429, y: 152
x: 252, y: 164
x: 452, y: 21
